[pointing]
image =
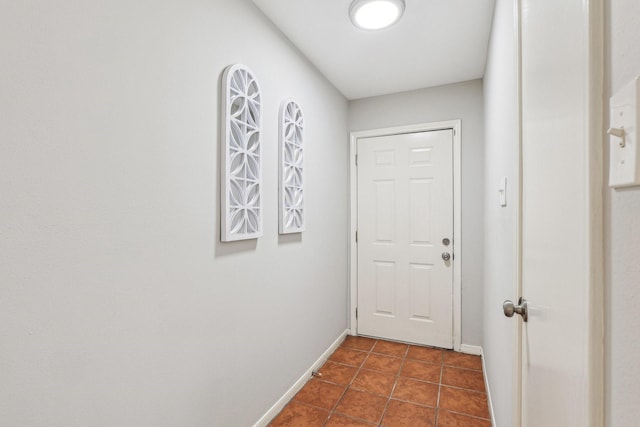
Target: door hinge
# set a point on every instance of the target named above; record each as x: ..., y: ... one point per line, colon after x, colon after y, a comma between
x: 356, y: 160
x: 356, y: 312
x: 356, y: 236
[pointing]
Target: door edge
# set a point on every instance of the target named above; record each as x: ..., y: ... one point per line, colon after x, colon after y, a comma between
x: 594, y: 15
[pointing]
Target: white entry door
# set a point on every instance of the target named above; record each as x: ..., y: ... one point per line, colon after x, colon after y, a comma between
x: 405, y: 237
x: 561, y: 343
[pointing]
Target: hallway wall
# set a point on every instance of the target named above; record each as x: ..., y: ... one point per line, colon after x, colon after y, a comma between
x: 457, y: 101
x: 119, y: 306
x: 622, y: 234
x: 501, y: 160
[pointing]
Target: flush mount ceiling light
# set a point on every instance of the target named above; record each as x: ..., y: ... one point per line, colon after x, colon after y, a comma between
x: 375, y: 14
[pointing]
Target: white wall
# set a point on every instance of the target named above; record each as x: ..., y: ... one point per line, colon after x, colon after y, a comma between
x: 118, y: 304
x: 622, y: 233
x: 458, y: 101
x: 501, y: 160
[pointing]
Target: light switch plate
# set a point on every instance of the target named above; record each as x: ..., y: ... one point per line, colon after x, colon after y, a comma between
x: 502, y: 192
x: 624, y: 154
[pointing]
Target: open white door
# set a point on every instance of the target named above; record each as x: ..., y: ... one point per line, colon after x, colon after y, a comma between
x: 561, y: 221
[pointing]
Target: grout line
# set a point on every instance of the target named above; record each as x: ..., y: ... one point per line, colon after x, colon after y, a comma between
x: 464, y: 389
x: 462, y: 367
x: 404, y: 358
x: 362, y: 420
x: 437, y: 412
x: 395, y: 383
x: 333, y: 410
x: 468, y: 415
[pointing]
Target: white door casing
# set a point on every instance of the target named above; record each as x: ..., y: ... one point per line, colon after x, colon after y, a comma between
x: 560, y: 350
x: 405, y: 213
x: 420, y: 264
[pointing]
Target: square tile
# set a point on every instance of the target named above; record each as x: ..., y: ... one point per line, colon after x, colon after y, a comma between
x: 404, y: 414
x: 425, y: 354
x: 416, y: 391
x: 421, y: 371
x: 374, y: 382
x: 348, y: 356
x: 463, y: 378
x: 464, y: 402
x: 390, y: 348
x: 358, y: 343
x: 369, y: 382
x: 321, y: 394
x: 382, y: 363
x: 462, y: 360
x: 450, y: 419
x: 300, y: 415
x: 337, y: 373
x: 362, y: 405
x: 338, y: 420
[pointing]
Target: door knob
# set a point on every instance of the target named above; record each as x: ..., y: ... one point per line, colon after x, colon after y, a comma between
x: 510, y: 309
x: 446, y: 256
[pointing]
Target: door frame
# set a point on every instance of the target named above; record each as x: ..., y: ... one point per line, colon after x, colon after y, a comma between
x: 454, y: 125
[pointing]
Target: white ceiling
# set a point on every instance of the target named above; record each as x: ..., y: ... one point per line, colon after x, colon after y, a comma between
x: 436, y: 42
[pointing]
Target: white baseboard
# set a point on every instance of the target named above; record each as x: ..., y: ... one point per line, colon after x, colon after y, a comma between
x: 282, y: 402
x: 486, y: 386
x: 471, y: 349
x: 478, y: 351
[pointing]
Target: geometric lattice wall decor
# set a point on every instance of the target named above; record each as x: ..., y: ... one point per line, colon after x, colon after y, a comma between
x: 291, y: 210
x: 241, y: 163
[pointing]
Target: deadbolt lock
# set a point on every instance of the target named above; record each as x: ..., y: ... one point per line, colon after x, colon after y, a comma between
x: 446, y: 241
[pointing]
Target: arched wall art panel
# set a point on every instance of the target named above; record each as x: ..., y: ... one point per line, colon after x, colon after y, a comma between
x: 241, y: 162
x: 291, y: 211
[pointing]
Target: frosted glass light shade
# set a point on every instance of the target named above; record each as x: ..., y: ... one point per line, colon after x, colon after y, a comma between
x: 375, y: 14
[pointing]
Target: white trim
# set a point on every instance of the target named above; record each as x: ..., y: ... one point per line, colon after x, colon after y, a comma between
x: 471, y: 349
x: 457, y: 217
x: 479, y: 351
x: 516, y: 418
x: 595, y: 128
x: 486, y: 387
x: 282, y: 402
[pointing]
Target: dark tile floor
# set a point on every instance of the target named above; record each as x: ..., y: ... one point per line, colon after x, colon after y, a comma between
x: 369, y: 382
